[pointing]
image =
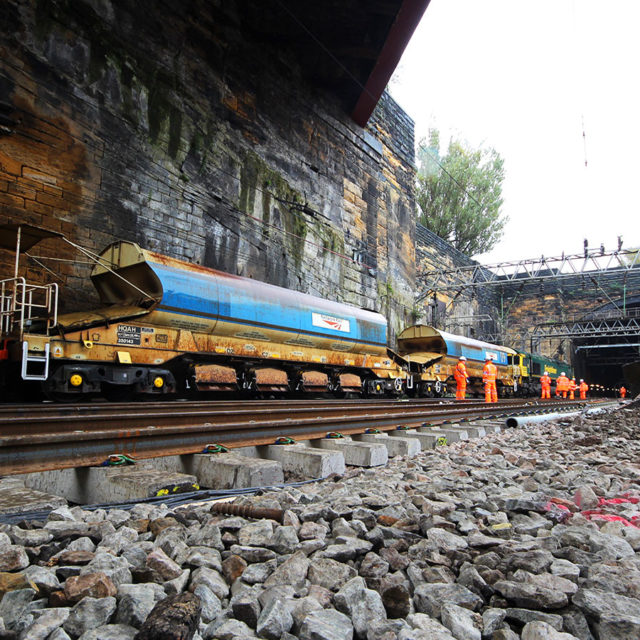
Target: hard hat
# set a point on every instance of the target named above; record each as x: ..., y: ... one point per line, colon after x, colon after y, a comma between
x: 581, y: 379
x: 562, y: 373
x: 461, y: 358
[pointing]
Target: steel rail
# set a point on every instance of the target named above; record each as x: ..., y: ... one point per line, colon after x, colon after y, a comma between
x: 24, y: 452
x: 136, y: 415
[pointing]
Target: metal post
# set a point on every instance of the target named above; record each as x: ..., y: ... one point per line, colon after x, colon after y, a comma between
x: 18, y: 237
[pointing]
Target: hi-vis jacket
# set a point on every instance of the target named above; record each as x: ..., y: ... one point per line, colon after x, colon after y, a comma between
x: 489, y: 373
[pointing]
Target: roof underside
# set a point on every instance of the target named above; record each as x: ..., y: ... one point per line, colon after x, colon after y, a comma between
x: 350, y: 47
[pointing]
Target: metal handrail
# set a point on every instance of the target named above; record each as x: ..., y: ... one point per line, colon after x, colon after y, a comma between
x: 21, y: 302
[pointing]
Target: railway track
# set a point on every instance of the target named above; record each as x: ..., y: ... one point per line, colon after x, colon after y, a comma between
x: 44, y: 437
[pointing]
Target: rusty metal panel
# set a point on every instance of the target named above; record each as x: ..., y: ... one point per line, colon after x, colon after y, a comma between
x: 314, y: 381
x: 271, y: 377
x: 214, y: 375
x: 350, y: 381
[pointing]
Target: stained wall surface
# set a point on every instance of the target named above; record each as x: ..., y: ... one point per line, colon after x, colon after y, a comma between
x: 149, y: 122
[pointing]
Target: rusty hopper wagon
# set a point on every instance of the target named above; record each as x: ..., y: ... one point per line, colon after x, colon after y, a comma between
x: 167, y: 326
x: 433, y: 355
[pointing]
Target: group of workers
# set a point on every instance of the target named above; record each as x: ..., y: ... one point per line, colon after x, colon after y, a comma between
x: 564, y: 386
x: 489, y: 376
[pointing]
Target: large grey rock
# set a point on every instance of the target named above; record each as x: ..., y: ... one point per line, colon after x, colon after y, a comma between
x: 227, y: 630
x: 429, y: 598
x: 424, y: 627
x: 256, y: 534
x: 159, y: 562
x: 364, y: 606
x: 348, y: 548
x: 327, y: 624
x: 253, y: 554
x: 575, y: 622
x: 45, y: 579
x: 492, y: 620
x: 13, y: 558
x: 110, y: 632
x: 88, y: 614
x: 531, y: 596
x: 246, y: 607
x: 445, y: 540
x: 463, y: 624
x: 259, y: 572
x: 135, y: 604
x: 206, y: 536
x: 523, y: 616
x: 212, y: 579
x: 300, y: 608
x: 292, y: 571
x: 596, y: 603
x: 614, y: 578
x: 204, y: 557
x: 619, y: 628
x: 535, y: 561
x: 284, y: 540
x: 546, y: 580
x: 46, y: 623
x: 274, y: 620
x: 565, y: 569
x: 15, y: 605
x: 330, y: 574
x: 30, y: 537
x: 543, y: 631
x: 211, y: 605
x: 116, y: 568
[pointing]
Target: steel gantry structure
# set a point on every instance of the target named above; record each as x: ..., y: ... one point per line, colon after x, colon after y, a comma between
x: 592, y: 263
x: 599, y: 269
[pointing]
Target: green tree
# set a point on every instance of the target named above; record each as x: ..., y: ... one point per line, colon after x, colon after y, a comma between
x: 460, y: 194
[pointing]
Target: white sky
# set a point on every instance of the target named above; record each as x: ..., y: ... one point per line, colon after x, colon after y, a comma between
x: 520, y: 77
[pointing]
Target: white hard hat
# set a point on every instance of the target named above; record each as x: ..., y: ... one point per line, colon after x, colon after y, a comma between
x: 581, y: 379
x: 461, y: 358
x: 562, y: 373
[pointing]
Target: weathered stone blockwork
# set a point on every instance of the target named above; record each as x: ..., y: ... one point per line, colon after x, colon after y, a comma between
x: 167, y: 126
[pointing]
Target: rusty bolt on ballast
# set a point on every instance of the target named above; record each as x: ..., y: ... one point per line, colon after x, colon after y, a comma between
x: 257, y: 513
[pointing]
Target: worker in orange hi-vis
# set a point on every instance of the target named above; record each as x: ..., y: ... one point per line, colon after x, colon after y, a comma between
x: 562, y: 385
x: 623, y: 393
x: 584, y: 387
x: 489, y: 376
x: 460, y: 374
x: 572, y: 389
x: 545, y: 384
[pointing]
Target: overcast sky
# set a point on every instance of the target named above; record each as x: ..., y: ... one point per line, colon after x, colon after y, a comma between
x: 521, y: 77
